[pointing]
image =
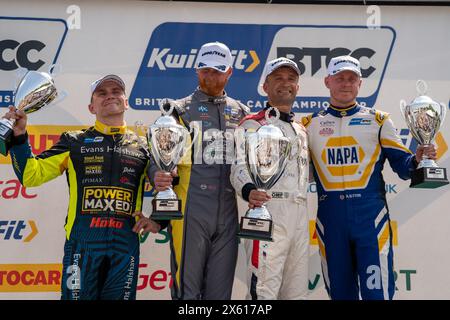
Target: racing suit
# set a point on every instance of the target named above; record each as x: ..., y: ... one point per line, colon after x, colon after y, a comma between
x: 105, y: 169
x: 204, y: 244
x: 348, y: 147
x: 279, y: 269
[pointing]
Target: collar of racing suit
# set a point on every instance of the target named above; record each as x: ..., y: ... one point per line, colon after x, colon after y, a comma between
x: 103, y: 128
x: 286, y: 117
x: 203, y: 97
x: 343, y: 111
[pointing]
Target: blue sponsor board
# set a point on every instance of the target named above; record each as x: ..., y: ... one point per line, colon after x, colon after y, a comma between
x: 168, y: 65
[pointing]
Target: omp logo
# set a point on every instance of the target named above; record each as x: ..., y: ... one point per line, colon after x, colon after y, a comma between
x: 101, y: 199
x: 164, y: 58
x: 42, y: 138
x: 30, y: 43
x: 18, y: 230
x: 313, y: 233
x: 30, y: 277
x: 342, y: 156
x: 166, y: 61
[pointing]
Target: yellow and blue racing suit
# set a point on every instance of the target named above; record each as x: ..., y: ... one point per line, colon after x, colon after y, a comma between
x: 348, y: 149
x: 105, y: 169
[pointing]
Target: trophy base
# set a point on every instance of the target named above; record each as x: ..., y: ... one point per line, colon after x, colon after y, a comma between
x: 257, y: 229
x: 6, y: 133
x: 166, y: 209
x: 429, y: 178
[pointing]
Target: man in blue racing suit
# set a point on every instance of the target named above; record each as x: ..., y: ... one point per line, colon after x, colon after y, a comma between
x: 349, y: 145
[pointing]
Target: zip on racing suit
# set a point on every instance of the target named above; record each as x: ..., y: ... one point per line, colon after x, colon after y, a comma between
x: 348, y: 147
x: 279, y: 269
x: 105, y: 169
x: 204, y: 244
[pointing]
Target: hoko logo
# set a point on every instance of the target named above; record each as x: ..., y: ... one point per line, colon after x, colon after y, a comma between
x: 30, y: 43
x: 168, y: 66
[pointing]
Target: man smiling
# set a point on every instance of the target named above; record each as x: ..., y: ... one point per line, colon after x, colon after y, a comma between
x: 349, y: 145
x: 105, y: 167
x: 279, y: 269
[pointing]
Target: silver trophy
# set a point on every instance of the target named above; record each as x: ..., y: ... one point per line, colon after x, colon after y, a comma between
x: 266, y: 153
x: 424, y: 118
x: 167, y: 140
x: 35, y: 91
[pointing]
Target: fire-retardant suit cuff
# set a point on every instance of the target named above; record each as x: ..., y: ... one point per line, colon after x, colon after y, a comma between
x: 246, y: 189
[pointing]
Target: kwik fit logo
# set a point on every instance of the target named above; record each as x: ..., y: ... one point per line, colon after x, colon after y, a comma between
x: 164, y: 59
x: 168, y: 66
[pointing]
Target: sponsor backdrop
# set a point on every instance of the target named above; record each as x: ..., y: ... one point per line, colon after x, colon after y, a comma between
x: 153, y: 46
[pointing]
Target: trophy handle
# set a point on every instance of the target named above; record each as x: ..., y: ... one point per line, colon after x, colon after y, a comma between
x: 54, y: 69
x: 267, y: 115
x: 443, y: 112
x: 403, y: 107
x: 163, y: 105
x: 60, y: 97
x: 140, y: 129
x: 421, y: 87
x: 20, y: 73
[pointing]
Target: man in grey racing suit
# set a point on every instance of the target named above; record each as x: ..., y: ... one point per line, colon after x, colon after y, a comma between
x: 204, y: 245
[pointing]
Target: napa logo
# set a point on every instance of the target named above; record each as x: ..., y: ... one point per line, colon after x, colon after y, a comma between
x: 168, y: 66
x: 342, y: 156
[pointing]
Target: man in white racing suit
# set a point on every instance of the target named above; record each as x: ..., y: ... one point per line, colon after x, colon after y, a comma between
x: 278, y: 269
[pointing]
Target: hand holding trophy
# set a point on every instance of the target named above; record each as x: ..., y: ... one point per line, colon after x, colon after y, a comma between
x: 167, y: 140
x: 424, y: 118
x: 266, y: 153
x: 35, y: 91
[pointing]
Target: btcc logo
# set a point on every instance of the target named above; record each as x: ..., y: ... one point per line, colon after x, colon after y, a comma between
x: 32, y: 44
x: 22, y: 54
x: 113, y: 199
x: 163, y: 59
x: 342, y: 156
x: 316, y: 56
